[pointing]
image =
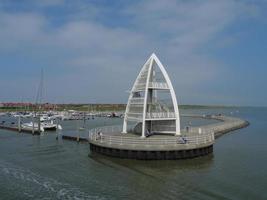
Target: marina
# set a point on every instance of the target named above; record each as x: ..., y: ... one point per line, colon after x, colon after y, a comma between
x: 49, y: 120
x: 151, y: 128
x: 133, y: 100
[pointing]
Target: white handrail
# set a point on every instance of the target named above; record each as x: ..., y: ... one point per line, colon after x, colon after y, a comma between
x: 101, y: 135
x: 159, y: 85
x: 153, y: 115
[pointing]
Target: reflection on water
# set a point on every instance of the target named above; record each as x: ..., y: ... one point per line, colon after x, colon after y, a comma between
x: 166, y: 166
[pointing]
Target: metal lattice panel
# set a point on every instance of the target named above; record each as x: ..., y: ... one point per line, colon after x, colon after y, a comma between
x: 152, y: 102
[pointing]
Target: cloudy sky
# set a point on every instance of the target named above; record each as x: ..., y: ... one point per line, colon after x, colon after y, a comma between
x: 91, y: 51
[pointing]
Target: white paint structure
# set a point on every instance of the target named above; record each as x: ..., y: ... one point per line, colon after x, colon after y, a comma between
x: 152, y: 102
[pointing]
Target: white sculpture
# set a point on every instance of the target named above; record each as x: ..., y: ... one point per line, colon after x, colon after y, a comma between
x: 145, y: 104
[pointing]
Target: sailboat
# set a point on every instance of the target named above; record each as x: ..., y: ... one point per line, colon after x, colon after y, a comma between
x: 43, y: 121
x: 84, y: 120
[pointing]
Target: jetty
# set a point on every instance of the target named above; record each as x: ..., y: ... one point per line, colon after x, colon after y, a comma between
x: 225, y: 124
x: 20, y: 129
x: 151, y: 126
x: 193, y: 142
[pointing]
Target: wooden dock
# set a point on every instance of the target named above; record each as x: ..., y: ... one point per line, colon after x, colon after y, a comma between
x: 16, y: 129
x: 75, y: 138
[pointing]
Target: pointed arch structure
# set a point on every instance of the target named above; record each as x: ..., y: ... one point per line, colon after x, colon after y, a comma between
x: 152, y: 103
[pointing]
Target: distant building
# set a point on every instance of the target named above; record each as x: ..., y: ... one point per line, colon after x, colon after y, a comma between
x: 15, y: 105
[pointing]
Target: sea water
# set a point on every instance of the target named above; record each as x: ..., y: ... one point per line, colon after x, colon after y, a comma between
x: 41, y: 167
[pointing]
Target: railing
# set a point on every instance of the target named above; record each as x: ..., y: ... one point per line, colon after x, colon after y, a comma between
x: 155, y: 85
x: 225, y: 124
x: 103, y: 135
x: 137, y: 115
x: 137, y: 101
x: 106, y: 129
x: 140, y: 86
x: 160, y: 115
x: 158, y: 85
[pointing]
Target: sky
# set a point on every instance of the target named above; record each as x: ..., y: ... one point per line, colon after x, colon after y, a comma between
x: 92, y: 51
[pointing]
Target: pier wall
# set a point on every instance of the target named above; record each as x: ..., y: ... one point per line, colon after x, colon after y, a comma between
x: 152, y: 155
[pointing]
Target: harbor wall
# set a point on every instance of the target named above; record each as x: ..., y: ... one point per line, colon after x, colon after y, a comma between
x: 152, y: 155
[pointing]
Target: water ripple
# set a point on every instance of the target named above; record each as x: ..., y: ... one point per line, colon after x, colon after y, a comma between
x: 36, y: 186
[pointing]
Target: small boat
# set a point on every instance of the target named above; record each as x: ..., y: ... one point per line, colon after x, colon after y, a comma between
x: 50, y: 126
x: 44, y: 126
x: 29, y: 126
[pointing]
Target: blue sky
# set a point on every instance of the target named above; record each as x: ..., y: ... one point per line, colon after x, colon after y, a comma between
x: 92, y: 51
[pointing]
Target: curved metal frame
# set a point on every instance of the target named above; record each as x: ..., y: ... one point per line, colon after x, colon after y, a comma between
x: 153, y: 58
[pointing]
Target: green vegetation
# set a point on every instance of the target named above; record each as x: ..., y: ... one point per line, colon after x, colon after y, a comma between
x: 77, y: 107
x: 92, y: 107
x: 98, y: 107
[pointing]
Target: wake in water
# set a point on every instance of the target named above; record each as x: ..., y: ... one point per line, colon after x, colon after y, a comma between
x: 35, y: 186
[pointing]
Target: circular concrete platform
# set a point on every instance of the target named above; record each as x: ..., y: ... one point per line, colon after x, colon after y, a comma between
x: 155, y: 147
x: 198, y: 141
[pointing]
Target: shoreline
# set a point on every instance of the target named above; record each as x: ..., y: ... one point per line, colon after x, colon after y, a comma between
x: 110, y: 107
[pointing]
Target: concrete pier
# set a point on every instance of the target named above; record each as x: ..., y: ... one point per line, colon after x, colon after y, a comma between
x: 225, y: 124
x: 193, y: 142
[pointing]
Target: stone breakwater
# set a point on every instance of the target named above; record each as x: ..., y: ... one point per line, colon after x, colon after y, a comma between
x: 225, y: 124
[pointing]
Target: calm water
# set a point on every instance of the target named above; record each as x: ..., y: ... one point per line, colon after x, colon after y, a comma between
x: 40, y: 167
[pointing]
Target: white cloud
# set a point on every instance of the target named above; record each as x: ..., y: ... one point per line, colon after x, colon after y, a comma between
x: 176, y: 31
x: 18, y: 30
